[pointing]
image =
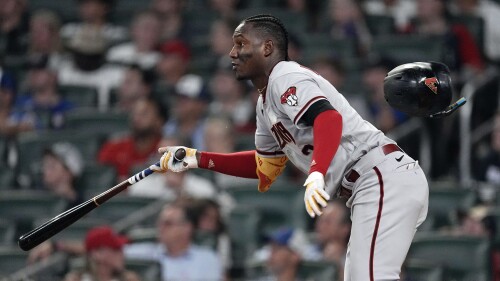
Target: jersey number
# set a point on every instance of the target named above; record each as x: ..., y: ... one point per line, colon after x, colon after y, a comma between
x: 281, y: 134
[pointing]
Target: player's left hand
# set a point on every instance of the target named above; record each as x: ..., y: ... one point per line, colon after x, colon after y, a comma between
x: 169, y: 163
x: 315, y: 194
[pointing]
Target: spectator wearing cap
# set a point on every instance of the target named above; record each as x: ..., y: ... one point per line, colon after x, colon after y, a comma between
x: 87, y: 66
x: 180, y: 258
x: 142, y: 50
x: 174, y: 62
x: 44, y: 39
x: 189, y: 111
x: 42, y: 106
x: 139, y: 147
x: 105, y: 258
x: 285, y: 251
x: 94, y: 16
x: 62, y: 165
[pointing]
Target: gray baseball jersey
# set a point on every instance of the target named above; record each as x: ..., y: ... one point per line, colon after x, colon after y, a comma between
x: 291, y: 90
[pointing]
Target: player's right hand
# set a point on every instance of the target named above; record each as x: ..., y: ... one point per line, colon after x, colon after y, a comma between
x: 315, y: 194
x: 169, y: 163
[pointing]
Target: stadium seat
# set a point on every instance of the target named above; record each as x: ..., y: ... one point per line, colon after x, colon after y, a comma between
x: 97, y: 123
x: 80, y: 96
x: 11, y: 260
x: 7, y: 177
x: 142, y: 234
x: 445, y: 201
x: 380, y: 25
x: 7, y: 232
x: 463, y: 257
x: 308, y: 270
x: 417, y: 270
x: 119, y: 207
x: 321, y: 45
x: 409, y: 48
x: 76, y: 231
x: 274, y: 205
x: 96, y: 178
x: 242, y: 225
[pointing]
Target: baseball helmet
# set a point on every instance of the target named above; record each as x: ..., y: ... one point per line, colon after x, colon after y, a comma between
x: 420, y: 89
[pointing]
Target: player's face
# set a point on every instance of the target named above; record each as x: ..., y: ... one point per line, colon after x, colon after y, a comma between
x: 247, y: 53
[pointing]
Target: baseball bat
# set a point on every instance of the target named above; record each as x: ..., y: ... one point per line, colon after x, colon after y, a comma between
x: 50, y: 228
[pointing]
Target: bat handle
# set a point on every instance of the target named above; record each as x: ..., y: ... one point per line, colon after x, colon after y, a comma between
x: 142, y: 174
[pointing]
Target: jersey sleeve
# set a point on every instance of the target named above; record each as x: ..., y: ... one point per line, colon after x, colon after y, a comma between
x: 294, y: 93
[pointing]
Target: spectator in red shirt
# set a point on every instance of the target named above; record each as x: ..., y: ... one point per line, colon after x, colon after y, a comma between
x: 146, y: 121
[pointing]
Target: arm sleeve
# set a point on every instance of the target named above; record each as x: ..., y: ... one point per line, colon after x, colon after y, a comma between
x: 240, y: 164
x: 327, y: 130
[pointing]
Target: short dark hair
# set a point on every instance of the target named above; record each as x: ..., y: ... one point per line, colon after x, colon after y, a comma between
x: 272, y: 26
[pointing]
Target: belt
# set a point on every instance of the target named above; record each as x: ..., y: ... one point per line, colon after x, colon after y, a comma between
x: 353, y: 176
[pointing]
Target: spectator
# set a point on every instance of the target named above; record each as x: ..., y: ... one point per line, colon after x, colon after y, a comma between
x: 462, y: 54
x: 174, y: 62
x: 219, y: 137
x: 211, y: 229
x: 489, y: 11
x: 8, y: 93
x: 226, y: 9
x: 93, y: 15
x: 88, y: 68
x: 136, y: 84
x: 62, y: 165
x: 380, y: 113
x: 231, y: 99
x: 179, y: 257
x: 44, y: 40
x: 173, y: 24
x: 286, y: 248
x: 346, y: 22
x: 104, y: 256
x: 401, y: 10
x: 146, y: 120
x: 14, y: 26
x: 332, y: 231
x: 188, y: 116
x: 142, y: 50
x: 42, y: 106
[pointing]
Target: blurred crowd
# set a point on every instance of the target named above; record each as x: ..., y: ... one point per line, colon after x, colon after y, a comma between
x: 162, y: 67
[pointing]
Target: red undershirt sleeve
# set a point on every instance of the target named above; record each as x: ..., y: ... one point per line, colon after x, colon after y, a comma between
x: 327, y: 131
x: 240, y: 164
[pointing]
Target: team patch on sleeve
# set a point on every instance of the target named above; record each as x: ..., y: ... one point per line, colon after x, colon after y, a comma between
x: 290, y: 97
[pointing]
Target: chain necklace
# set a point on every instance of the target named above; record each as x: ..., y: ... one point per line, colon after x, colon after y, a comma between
x: 262, y: 90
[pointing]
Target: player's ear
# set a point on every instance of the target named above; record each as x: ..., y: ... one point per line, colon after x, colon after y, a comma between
x: 268, y: 47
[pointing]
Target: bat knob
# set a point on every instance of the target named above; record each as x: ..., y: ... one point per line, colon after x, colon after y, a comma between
x: 180, y: 154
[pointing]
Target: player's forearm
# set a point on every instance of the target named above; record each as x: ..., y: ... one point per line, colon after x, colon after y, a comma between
x: 327, y: 130
x: 240, y: 164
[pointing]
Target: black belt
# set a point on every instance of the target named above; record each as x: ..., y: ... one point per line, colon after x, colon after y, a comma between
x: 353, y: 176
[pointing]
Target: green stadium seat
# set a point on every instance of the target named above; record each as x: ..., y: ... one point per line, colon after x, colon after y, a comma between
x: 97, y: 123
x: 96, y: 178
x: 380, y: 25
x: 308, y: 270
x: 24, y: 206
x: 147, y: 270
x: 80, y: 96
x: 463, y: 257
x: 417, y: 270
x: 119, y: 207
x: 7, y: 177
x: 445, y: 201
x: 409, y: 48
x: 321, y: 45
x: 274, y: 205
x: 7, y: 232
x: 243, y: 229
x: 143, y: 234
x: 11, y: 260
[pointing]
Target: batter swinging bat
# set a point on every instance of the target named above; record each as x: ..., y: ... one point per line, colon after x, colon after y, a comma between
x: 36, y: 236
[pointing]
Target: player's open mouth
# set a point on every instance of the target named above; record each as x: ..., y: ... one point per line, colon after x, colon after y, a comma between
x: 234, y: 65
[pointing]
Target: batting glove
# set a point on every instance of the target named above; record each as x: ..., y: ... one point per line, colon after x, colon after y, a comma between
x: 169, y: 163
x: 315, y: 194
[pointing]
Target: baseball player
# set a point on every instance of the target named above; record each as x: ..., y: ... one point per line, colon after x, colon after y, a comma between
x: 302, y: 118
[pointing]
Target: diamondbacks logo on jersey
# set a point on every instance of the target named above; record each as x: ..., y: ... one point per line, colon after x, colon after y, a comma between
x: 432, y: 84
x: 290, y: 97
